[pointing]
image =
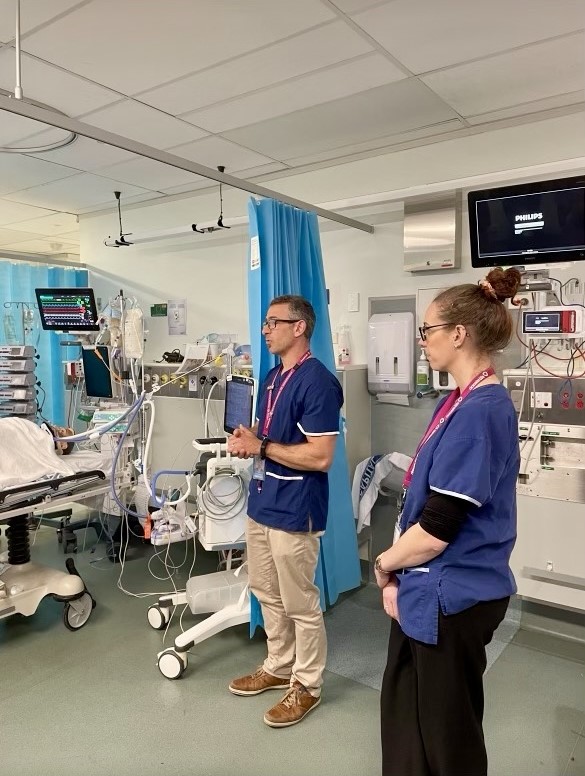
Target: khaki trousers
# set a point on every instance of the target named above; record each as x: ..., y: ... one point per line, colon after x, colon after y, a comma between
x: 281, y: 569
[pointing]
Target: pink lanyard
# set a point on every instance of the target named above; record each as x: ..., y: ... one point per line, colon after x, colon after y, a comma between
x: 449, y: 407
x: 271, y: 407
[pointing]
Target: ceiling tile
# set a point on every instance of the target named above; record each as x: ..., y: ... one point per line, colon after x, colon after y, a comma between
x: 13, y: 127
x: 214, y: 151
x: 296, y: 56
x: 68, y: 237
x: 204, y: 183
x: 14, y: 236
x: 531, y: 73
x: 57, y: 88
x: 22, y: 172
x: 42, y: 246
x: 128, y: 199
x: 12, y: 212
x: 32, y: 14
x: 76, y: 193
x: 563, y: 100
x: 326, y: 85
x: 379, y: 112
x: 426, y: 34
x: 354, y: 6
x: 133, y: 50
x: 148, y: 173
x: 144, y: 124
x: 379, y: 144
x: 83, y: 154
x: 56, y: 223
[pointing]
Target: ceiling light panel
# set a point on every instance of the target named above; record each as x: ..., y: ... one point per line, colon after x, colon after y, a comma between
x: 380, y: 112
x: 105, y: 42
x: 290, y: 58
x: 314, y: 89
x: 532, y: 73
x: 426, y: 34
x: 379, y: 144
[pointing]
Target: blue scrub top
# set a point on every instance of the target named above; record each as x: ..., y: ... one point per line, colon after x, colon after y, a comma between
x: 475, y: 457
x: 292, y: 499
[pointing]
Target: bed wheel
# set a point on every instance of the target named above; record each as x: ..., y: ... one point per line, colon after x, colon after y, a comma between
x: 77, y: 613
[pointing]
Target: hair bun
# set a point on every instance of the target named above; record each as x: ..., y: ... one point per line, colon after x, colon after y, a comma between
x: 501, y: 284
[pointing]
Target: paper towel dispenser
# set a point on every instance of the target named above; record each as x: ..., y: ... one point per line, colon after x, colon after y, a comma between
x: 390, y: 353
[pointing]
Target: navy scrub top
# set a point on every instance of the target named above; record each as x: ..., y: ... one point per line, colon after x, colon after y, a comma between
x: 475, y: 456
x: 291, y: 499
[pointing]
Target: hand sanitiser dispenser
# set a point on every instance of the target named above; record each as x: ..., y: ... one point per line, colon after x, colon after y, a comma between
x: 390, y: 353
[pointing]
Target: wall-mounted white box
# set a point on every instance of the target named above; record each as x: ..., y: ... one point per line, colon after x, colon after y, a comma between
x: 390, y: 353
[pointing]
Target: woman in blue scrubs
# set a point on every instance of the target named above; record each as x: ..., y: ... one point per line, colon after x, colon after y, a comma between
x: 446, y: 580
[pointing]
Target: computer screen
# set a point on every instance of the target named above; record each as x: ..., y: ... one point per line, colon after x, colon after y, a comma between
x: 533, y: 223
x: 240, y: 393
x: 67, y: 309
x: 96, y: 370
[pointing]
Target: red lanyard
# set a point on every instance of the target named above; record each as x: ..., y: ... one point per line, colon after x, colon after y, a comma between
x: 449, y: 407
x: 271, y: 407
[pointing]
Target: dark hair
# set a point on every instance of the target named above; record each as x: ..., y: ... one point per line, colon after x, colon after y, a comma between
x: 298, y: 307
x: 479, y: 308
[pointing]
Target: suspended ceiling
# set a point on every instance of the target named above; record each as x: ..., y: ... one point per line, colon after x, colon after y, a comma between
x: 261, y: 86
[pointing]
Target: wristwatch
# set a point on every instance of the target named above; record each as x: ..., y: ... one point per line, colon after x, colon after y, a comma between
x: 265, y: 441
x: 378, y: 566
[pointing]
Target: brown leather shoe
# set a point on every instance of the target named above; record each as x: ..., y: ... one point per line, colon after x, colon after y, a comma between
x: 292, y: 708
x: 259, y: 681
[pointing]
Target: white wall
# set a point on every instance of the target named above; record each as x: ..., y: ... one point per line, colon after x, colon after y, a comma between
x: 211, y: 271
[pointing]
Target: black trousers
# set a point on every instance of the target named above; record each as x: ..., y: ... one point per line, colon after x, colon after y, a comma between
x: 432, y: 696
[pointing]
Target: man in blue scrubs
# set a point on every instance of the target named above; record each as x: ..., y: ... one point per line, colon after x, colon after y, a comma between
x: 292, y: 445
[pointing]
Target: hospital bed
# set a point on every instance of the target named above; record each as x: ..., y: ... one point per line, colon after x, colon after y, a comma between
x: 24, y: 584
x: 34, y: 478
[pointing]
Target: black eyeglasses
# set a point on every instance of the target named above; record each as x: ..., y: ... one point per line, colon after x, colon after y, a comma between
x: 270, y: 323
x: 422, y: 330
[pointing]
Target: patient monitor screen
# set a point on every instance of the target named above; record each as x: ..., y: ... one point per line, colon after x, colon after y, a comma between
x: 239, y: 402
x: 67, y: 309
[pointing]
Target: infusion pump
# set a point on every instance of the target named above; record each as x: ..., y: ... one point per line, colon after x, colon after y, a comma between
x: 554, y: 322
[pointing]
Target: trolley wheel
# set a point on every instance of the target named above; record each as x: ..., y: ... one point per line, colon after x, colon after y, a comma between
x: 172, y: 664
x: 76, y: 613
x: 158, y: 616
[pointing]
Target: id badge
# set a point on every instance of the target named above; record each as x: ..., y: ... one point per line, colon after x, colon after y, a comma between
x: 259, y: 469
x: 397, y: 530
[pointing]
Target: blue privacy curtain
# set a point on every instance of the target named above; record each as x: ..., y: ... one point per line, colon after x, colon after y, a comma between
x: 18, y: 281
x: 285, y: 258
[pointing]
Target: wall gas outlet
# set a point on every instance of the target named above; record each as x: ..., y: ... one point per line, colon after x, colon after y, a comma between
x: 540, y: 399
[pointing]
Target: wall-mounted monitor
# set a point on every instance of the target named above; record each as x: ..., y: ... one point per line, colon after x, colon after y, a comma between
x: 530, y: 223
x: 67, y: 309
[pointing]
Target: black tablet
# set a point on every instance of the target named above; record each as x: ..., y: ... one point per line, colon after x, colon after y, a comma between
x: 240, y: 395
